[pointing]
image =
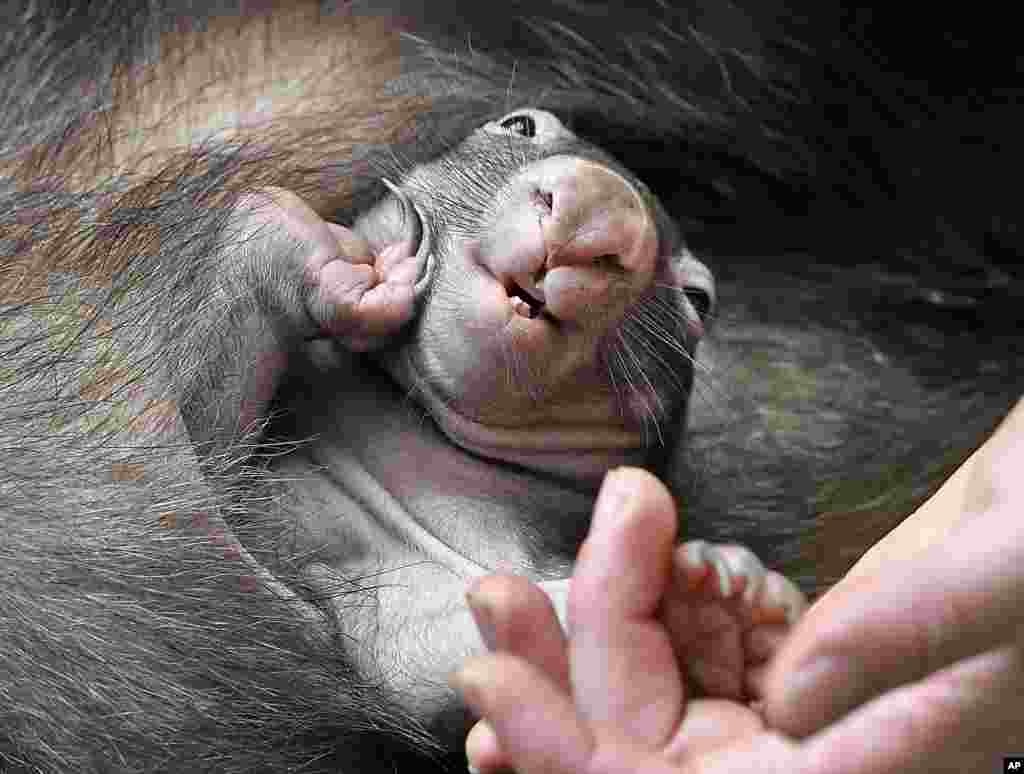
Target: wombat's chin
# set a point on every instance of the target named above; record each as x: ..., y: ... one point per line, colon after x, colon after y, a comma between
x: 580, y: 452
x: 580, y: 435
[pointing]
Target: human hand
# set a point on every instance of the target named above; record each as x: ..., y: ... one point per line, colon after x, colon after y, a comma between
x: 615, y: 695
x: 933, y: 634
x: 916, y: 659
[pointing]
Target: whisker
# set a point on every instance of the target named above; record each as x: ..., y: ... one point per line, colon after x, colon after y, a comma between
x: 654, y: 326
x: 657, y: 396
x: 710, y: 315
x: 657, y: 334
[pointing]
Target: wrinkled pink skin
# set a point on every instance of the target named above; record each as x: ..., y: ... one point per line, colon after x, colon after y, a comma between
x: 526, y: 412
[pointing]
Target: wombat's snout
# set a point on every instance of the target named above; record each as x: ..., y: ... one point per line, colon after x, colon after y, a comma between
x: 568, y: 232
x: 596, y: 215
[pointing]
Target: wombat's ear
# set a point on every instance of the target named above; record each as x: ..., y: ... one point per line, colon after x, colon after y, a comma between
x: 698, y: 285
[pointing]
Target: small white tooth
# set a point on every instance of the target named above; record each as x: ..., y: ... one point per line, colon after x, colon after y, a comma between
x: 521, y: 308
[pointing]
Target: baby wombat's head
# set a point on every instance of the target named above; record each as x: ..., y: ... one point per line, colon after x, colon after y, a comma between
x: 560, y: 317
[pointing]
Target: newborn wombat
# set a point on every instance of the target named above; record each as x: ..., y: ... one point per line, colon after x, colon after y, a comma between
x: 533, y: 316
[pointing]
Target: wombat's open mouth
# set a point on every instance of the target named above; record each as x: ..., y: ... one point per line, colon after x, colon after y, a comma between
x: 523, y: 303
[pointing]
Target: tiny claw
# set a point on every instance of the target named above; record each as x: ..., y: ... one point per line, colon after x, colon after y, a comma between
x: 726, y: 584
x: 402, y: 199
x: 409, y: 216
x: 411, y: 227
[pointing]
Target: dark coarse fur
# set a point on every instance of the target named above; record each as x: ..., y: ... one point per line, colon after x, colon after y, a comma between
x: 866, y: 341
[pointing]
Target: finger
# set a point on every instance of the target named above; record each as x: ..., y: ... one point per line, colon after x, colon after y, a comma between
x: 350, y: 245
x: 535, y: 722
x: 760, y: 645
x: 329, y: 241
x: 483, y: 751
x: 762, y: 642
x: 624, y: 671
x: 765, y: 753
x: 709, y: 725
x: 962, y: 719
x: 515, y: 616
x: 960, y: 597
x: 334, y: 245
x: 360, y: 304
x: 995, y: 476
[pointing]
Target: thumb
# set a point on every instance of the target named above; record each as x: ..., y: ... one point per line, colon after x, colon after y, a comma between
x: 962, y: 596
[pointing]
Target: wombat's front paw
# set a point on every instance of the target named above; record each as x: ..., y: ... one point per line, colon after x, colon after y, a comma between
x: 361, y: 298
x: 727, y: 615
x: 346, y: 289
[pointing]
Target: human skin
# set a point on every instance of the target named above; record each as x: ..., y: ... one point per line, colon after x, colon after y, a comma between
x: 926, y: 624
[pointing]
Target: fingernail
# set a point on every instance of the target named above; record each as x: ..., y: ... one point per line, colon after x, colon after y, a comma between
x: 482, y: 608
x: 481, y: 745
x: 828, y: 684
x: 614, y: 495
